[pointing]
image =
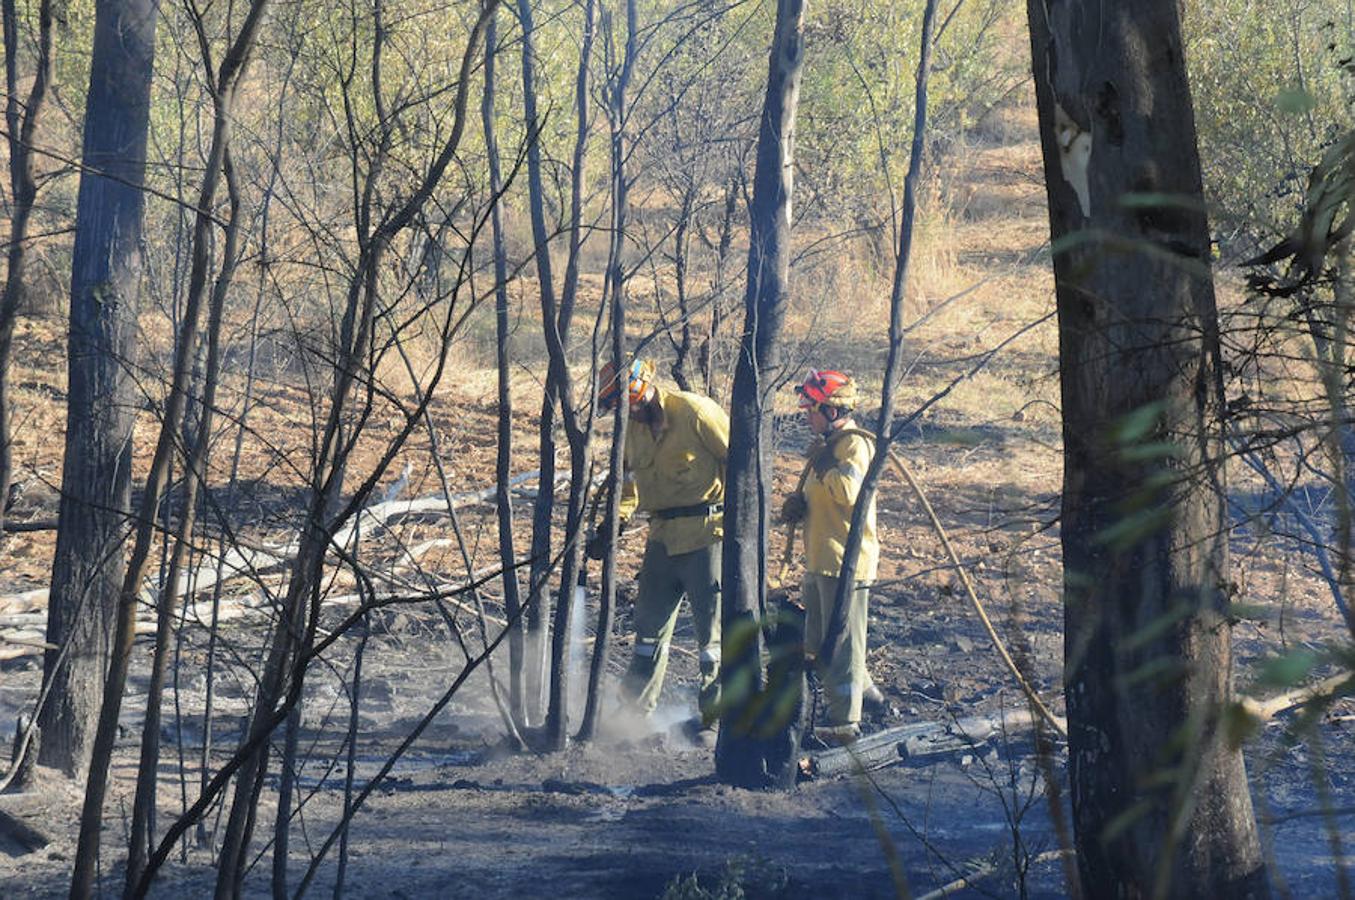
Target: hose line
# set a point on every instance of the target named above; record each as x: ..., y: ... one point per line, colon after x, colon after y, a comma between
x: 1036, y: 703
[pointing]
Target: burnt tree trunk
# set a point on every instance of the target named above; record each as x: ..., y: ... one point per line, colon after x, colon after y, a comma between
x: 24, y: 188
x: 503, y: 496
x: 614, y: 292
x: 538, y: 595
x: 1160, y: 800
x: 903, y: 250
x: 293, y: 632
x: 709, y: 343
x: 745, y: 737
x: 195, y: 475
x: 578, y: 434
x: 681, y: 247
x: 87, y: 569
x: 556, y: 315
x: 157, y: 482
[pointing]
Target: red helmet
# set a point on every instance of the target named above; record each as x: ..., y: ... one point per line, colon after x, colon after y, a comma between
x: 827, y: 387
x: 641, y: 376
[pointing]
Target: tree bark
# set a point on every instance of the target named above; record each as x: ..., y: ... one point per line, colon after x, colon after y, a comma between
x: 903, y: 248
x: 24, y: 189
x: 710, y: 343
x: 354, y: 708
x: 555, y: 321
x: 538, y: 596
x: 744, y: 744
x: 87, y: 568
x: 681, y: 245
x: 195, y: 470
x: 615, y: 292
x: 282, y: 830
x: 1161, y: 805
x: 157, y: 479
x: 578, y: 433
x: 503, y: 497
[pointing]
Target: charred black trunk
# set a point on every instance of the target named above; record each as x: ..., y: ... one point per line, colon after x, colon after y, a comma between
x: 746, y: 730
x: 24, y: 189
x: 1161, y: 804
x: 538, y: 599
x: 615, y: 292
x: 512, y: 598
x: 87, y: 570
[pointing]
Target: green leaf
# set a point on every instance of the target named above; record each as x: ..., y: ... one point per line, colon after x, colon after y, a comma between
x: 1149, y: 451
x: 1162, y: 670
x: 1134, y: 527
x: 1288, y: 670
x: 1239, y: 724
x: 1295, y: 101
x: 1252, y: 611
x: 1165, y: 777
x: 1125, y: 820
x: 1138, y: 424
x: 1158, y: 626
x: 1158, y: 200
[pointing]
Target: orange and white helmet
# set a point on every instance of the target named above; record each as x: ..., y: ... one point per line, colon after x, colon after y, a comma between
x: 827, y: 387
x: 640, y: 379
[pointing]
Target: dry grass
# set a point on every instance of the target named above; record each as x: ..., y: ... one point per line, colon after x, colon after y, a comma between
x: 978, y: 232
x: 983, y: 238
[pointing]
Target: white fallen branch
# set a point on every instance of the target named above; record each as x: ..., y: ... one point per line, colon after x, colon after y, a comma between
x: 27, y: 601
x: 16, y: 643
x: 24, y: 619
x: 247, y: 559
x: 1265, y: 710
x: 435, y: 504
x: 984, y: 869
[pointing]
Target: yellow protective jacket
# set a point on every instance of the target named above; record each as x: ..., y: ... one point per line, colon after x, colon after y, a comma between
x: 830, y: 499
x: 683, y: 465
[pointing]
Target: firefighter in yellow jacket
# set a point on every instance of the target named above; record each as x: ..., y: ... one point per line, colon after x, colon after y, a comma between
x: 831, y: 486
x: 677, y: 443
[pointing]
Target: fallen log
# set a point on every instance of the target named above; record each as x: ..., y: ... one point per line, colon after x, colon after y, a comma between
x: 28, y: 638
x: 31, y: 525
x: 871, y: 752
x: 928, y: 740
x: 968, y: 733
x: 436, y: 504
x: 28, y: 601
x: 985, y: 868
x: 914, y: 742
x: 1265, y: 710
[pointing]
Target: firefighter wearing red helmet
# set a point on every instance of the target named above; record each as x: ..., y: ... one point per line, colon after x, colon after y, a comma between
x: 832, y: 484
x: 639, y: 378
x: 677, y: 443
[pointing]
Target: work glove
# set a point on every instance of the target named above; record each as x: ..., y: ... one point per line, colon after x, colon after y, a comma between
x: 794, y: 509
x: 596, y: 546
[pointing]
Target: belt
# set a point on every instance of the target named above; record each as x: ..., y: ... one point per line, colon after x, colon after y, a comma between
x: 697, y: 509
